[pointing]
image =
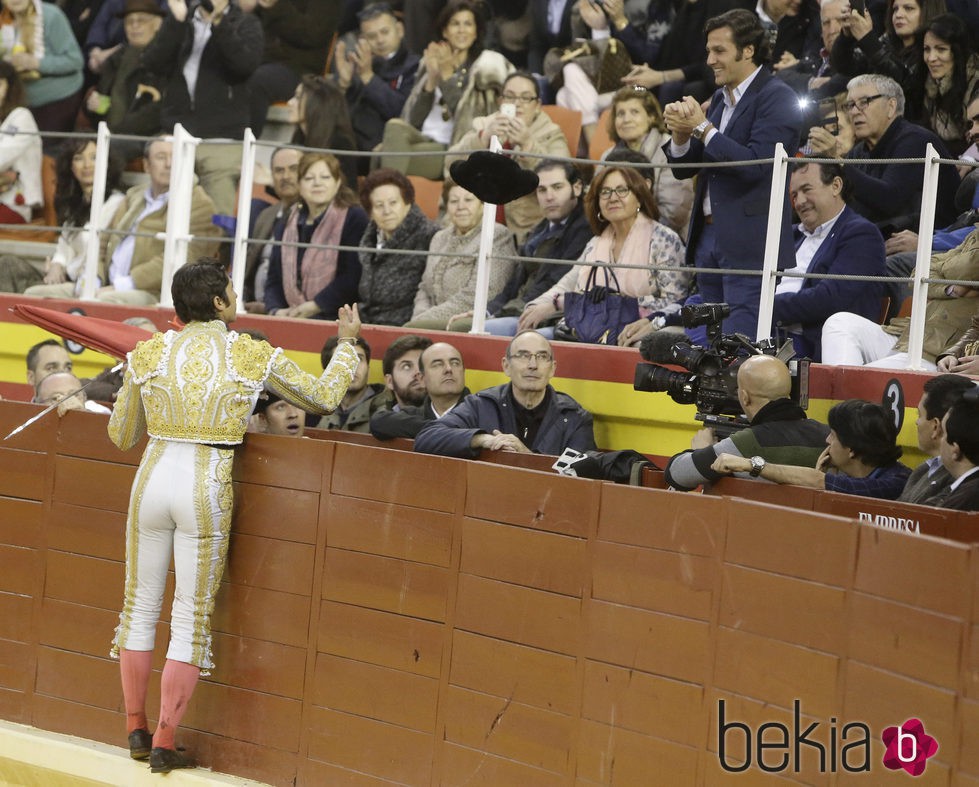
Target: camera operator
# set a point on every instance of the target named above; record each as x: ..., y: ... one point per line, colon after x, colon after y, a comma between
x: 779, y: 431
x: 860, y: 457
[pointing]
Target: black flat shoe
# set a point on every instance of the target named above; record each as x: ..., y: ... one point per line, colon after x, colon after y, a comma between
x: 140, y: 743
x: 166, y: 760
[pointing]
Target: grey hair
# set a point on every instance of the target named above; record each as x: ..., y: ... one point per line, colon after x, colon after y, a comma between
x: 884, y: 85
x: 148, y: 145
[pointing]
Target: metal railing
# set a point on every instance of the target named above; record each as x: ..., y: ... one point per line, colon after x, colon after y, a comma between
x: 177, y: 237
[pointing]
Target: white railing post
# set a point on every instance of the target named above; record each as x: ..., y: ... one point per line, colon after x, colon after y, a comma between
x: 179, y: 200
x: 90, y: 272
x: 482, y: 263
x: 922, y: 264
x: 766, y: 298
x: 239, y: 249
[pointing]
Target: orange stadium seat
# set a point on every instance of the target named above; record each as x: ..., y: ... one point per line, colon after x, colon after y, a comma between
x: 570, y: 122
x: 427, y: 195
x: 600, y: 141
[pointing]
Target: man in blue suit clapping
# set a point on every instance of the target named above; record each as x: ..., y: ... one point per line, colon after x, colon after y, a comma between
x: 749, y: 114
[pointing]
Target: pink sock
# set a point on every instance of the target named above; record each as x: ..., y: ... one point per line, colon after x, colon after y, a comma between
x: 134, y: 666
x: 176, y: 688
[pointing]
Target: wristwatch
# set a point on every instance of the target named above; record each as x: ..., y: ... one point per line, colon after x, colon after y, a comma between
x: 700, y: 129
x: 757, y: 465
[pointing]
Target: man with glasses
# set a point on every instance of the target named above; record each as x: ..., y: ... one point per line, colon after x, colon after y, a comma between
x: 376, y: 75
x: 750, y: 113
x: 890, y: 194
x: 525, y: 415
x: 520, y: 125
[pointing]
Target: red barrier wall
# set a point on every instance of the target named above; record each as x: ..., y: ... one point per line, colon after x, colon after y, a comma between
x: 390, y: 617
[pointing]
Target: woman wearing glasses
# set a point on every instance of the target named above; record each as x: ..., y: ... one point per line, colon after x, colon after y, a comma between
x: 624, y: 217
x: 520, y: 125
x: 636, y: 123
x: 457, y: 81
x: 315, y: 281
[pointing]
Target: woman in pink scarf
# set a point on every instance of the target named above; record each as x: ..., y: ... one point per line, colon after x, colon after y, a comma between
x: 623, y: 214
x: 315, y: 281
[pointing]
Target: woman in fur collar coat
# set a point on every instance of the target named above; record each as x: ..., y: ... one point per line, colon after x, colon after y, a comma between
x: 389, y: 281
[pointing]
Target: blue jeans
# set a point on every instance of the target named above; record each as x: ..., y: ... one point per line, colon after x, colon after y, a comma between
x: 507, y: 326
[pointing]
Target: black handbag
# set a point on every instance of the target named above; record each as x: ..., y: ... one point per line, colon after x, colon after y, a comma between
x: 598, y: 315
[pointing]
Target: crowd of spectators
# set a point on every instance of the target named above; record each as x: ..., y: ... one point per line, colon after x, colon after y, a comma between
x: 411, y: 86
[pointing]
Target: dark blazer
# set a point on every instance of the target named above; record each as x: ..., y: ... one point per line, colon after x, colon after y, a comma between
x: 854, y: 246
x: 265, y: 226
x: 374, y: 104
x: 220, y: 104
x: 766, y: 115
x: 925, y: 489
x: 890, y: 194
x: 966, y: 495
x: 531, y: 280
x: 540, y: 39
x: 406, y: 421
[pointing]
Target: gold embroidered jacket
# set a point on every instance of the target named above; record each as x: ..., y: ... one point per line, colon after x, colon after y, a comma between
x: 200, y: 385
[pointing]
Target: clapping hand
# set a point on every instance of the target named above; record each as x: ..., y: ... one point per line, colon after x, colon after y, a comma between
x: 682, y: 117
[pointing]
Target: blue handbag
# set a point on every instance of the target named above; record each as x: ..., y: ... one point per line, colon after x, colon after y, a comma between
x: 598, y: 315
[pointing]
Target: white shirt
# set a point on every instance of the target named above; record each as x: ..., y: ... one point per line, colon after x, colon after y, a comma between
x: 958, y: 481
x: 202, y: 34
x: 122, y: 257
x: 555, y: 10
x: 805, y: 254
x: 435, y: 127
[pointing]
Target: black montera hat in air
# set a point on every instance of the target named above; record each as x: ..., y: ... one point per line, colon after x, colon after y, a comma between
x: 493, y: 177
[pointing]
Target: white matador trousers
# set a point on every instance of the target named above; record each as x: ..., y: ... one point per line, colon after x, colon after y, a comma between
x: 180, y: 505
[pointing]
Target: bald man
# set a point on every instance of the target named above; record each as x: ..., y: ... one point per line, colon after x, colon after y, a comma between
x: 63, y: 388
x: 444, y: 375
x: 779, y: 432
